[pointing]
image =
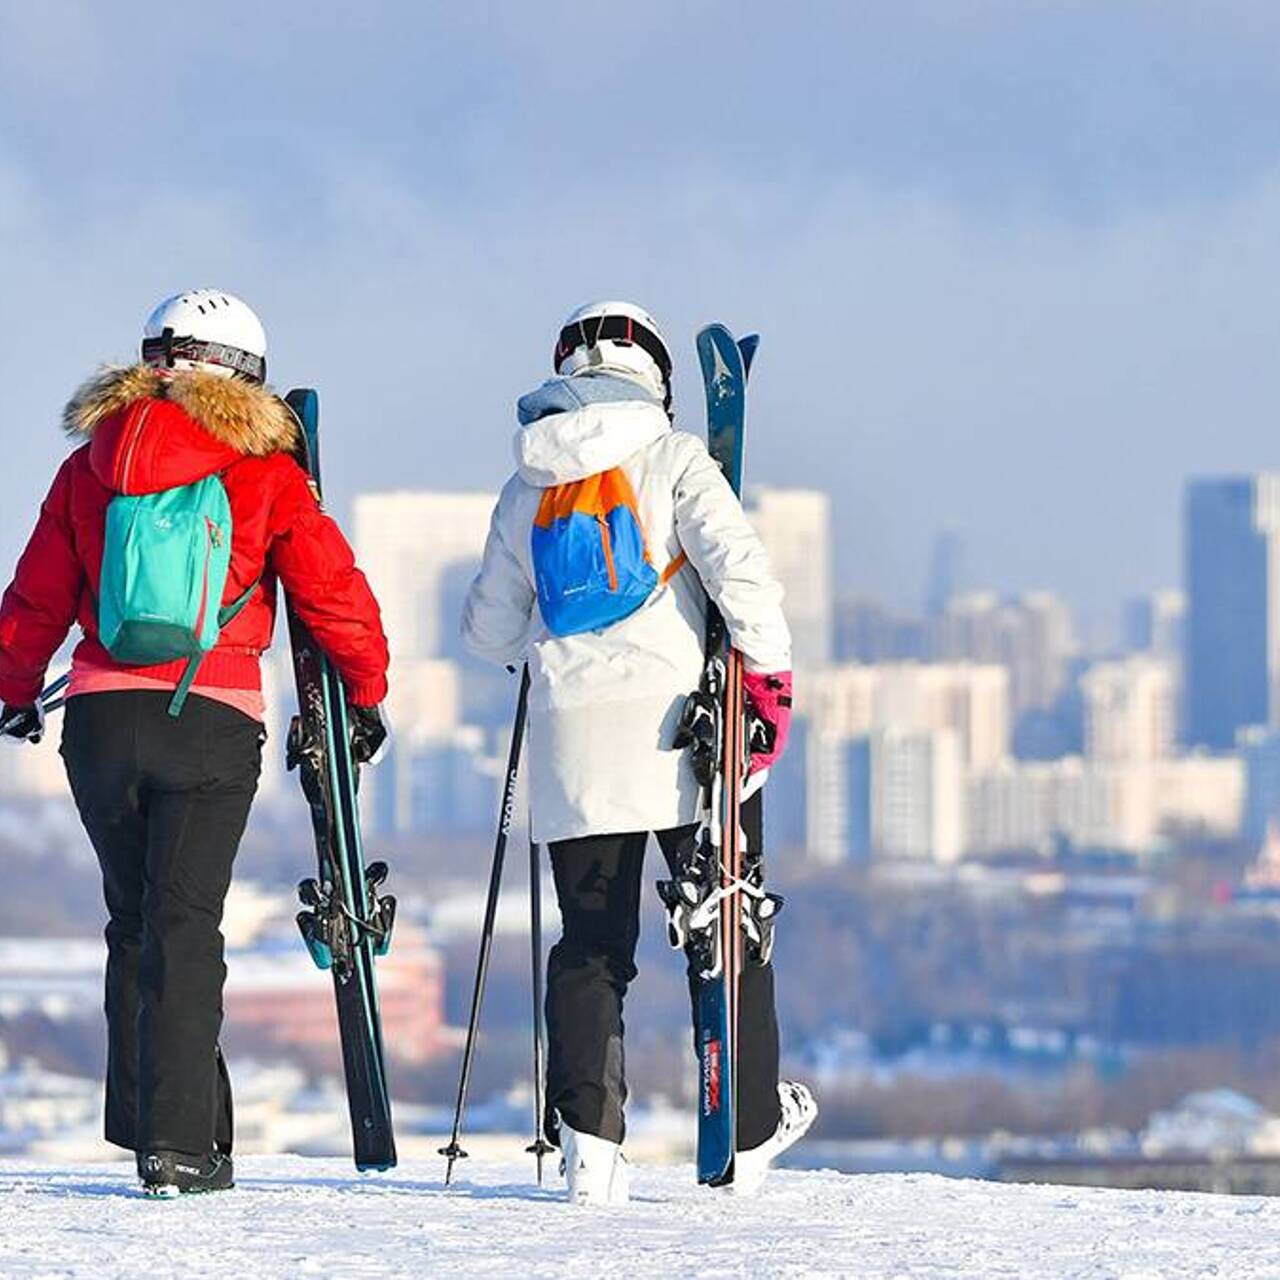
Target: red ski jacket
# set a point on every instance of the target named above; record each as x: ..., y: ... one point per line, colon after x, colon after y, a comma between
x: 149, y: 431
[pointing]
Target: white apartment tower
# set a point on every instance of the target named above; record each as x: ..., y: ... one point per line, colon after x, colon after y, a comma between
x: 420, y: 552
x: 1130, y: 709
x: 795, y: 527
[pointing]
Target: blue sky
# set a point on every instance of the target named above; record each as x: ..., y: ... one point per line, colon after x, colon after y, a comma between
x: 1016, y: 265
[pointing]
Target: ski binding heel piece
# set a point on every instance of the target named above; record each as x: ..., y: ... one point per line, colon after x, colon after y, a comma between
x: 319, y: 950
x: 380, y: 912
x: 698, y: 731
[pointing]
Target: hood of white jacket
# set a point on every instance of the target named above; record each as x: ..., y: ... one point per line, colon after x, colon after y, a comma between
x: 580, y: 426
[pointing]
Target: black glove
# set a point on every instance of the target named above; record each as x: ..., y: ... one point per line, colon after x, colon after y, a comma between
x: 370, y: 734
x: 22, y: 724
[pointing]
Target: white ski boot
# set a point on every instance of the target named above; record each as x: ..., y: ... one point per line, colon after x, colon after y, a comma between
x: 594, y: 1168
x: 799, y: 1110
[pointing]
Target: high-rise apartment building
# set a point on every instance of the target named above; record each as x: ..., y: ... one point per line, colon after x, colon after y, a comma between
x: 1104, y: 804
x: 1231, y: 566
x: 1033, y: 637
x: 969, y: 699
x: 916, y: 785
x: 887, y: 751
x: 420, y: 551
x: 795, y: 527
x: 1130, y: 709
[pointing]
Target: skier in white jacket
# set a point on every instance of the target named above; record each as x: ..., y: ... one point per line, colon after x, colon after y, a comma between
x: 604, y: 709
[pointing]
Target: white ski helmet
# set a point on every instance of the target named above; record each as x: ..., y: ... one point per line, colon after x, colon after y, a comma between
x: 619, y: 337
x: 209, y: 331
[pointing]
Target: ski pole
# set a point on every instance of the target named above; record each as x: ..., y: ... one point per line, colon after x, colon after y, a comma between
x: 49, y: 699
x: 539, y: 1147
x: 454, y: 1150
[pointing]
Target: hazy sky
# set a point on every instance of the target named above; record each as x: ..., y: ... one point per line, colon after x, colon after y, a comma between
x: 1016, y: 265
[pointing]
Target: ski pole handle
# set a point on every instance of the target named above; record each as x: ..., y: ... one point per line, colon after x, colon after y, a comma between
x: 48, y: 701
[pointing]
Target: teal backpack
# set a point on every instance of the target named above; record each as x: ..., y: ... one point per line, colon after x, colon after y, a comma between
x: 164, y: 569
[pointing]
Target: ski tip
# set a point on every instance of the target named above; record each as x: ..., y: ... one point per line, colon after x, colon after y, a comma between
x: 305, y: 403
x: 723, y: 363
x: 712, y: 332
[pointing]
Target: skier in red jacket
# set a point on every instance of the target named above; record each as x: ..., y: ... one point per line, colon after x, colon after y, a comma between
x: 165, y: 798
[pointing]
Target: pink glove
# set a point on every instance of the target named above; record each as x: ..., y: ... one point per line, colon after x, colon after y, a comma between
x: 769, y: 698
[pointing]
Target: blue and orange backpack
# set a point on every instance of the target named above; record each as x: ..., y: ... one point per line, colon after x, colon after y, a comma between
x: 591, y: 565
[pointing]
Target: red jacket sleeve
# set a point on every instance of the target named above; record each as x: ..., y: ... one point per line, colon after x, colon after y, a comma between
x: 40, y: 605
x: 318, y: 571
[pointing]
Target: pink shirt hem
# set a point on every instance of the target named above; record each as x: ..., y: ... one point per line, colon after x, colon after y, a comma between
x: 89, y: 679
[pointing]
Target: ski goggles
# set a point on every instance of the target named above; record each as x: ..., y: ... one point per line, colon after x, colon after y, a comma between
x: 166, y: 349
x: 597, y: 329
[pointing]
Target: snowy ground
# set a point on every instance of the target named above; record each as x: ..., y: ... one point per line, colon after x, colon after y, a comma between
x: 295, y: 1217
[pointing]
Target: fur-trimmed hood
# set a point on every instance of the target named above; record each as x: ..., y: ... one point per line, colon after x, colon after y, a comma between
x: 151, y: 430
x: 249, y: 418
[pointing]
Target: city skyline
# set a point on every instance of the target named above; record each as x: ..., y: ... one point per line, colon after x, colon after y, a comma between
x: 1107, y: 630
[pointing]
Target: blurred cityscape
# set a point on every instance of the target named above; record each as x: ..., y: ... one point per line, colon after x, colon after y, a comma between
x: 1033, y: 885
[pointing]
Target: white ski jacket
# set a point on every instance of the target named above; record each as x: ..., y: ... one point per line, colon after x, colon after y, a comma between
x: 604, y: 705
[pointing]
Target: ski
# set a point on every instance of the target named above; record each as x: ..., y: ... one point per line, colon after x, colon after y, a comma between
x: 346, y: 920
x: 705, y: 911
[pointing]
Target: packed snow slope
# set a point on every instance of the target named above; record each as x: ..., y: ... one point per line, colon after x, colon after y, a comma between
x: 296, y: 1217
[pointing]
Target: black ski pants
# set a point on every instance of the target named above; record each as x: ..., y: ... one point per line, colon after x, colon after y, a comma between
x: 598, y: 884
x: 164, y: 801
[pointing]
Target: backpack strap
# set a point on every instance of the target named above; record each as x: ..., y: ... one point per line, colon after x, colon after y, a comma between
x: 672, y: 569
x: 225, y: 614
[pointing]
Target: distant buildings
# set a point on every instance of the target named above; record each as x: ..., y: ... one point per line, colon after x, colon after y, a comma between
x: 946, y: 572
x: 281, y: 1006
x: 1231, y: 562
x: 970, y: 700
x: 420, y: 551
x: 916, y: 794
x: 1130, y: 709
x: 887, y: 753
x: 1260, y: 748
x: 795, y: 527
x: 913, y: 760
x: 424, y: 705
x: 970, y: 728
x: 867, y: 630
x: 1032, y: 637
x: 1132, y: 806
x: 1155, y: 623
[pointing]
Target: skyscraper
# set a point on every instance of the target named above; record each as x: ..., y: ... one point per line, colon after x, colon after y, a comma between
x: 946, y: 572
x: 1232, y: 658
